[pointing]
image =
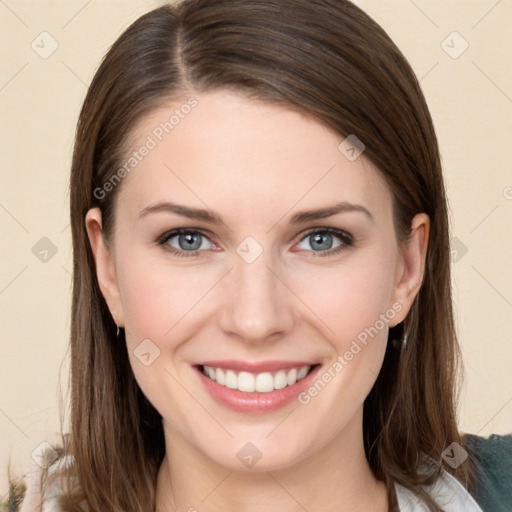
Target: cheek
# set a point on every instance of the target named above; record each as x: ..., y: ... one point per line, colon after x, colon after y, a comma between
x: 354, y: 307
x: 156, y: 295
x: 158, y: 302
x: 162, y: 304
x: 351, y: 297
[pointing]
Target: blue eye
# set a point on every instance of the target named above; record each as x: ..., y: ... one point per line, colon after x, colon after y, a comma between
x: 322, y: 241
x: 188, y: 241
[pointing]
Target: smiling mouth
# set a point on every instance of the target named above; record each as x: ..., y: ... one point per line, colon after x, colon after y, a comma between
x: 264, y: 382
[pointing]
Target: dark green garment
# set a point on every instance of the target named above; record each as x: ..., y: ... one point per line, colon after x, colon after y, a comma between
x: 493, y: 490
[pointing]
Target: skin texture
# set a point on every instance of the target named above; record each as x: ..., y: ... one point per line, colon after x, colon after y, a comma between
x: 256, y: 165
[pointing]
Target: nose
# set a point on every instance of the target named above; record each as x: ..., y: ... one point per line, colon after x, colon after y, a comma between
x: 257, y: 305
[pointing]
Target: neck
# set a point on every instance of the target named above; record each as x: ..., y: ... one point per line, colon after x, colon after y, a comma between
x: 336, y: 479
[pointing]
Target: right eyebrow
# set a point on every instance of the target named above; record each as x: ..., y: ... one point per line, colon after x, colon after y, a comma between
x: 184, y: 211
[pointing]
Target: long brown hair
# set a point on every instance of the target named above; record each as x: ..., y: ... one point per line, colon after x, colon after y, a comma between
x: 324, y: 58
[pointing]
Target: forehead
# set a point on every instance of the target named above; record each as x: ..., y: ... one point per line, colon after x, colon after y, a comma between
x: 224, y: 149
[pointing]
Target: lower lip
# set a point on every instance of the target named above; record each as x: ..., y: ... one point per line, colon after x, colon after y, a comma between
x: 240, y: 401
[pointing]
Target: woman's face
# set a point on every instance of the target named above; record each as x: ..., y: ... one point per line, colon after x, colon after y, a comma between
x: 246, y: 288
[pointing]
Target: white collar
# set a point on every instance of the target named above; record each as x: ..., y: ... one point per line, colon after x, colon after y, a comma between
x: 448, y: 493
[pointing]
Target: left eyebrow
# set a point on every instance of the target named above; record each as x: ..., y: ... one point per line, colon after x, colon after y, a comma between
x: 309, y: 215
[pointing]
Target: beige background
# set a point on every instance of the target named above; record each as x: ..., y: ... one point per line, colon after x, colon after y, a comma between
x: 471, y: 101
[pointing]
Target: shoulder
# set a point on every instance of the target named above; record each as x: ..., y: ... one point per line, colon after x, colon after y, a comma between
x: 446, y: 492
x: 493, y: 460
x: 492, y: 489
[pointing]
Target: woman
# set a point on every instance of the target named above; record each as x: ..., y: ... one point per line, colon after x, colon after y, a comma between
x: 261, y: 294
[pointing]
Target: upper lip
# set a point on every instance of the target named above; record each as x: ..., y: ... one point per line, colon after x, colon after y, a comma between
x: 256, y: 367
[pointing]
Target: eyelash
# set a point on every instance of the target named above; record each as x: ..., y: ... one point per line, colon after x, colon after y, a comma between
x: 346, y: 239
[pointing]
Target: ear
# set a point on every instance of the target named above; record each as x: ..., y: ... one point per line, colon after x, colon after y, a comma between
x: 105, y: 269
x: 410, y: 269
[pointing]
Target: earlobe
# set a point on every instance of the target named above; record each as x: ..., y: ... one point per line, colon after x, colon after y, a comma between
x: 105, y: 268
x: 411, y: 268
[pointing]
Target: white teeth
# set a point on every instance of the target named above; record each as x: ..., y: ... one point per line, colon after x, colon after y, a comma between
x: 280, y: 379
x: 231, y: 380
x: 262, y: 382
x: 220, y: 376
x: 302, y: 373
x: 291, y: 378
x: 246, y: 382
